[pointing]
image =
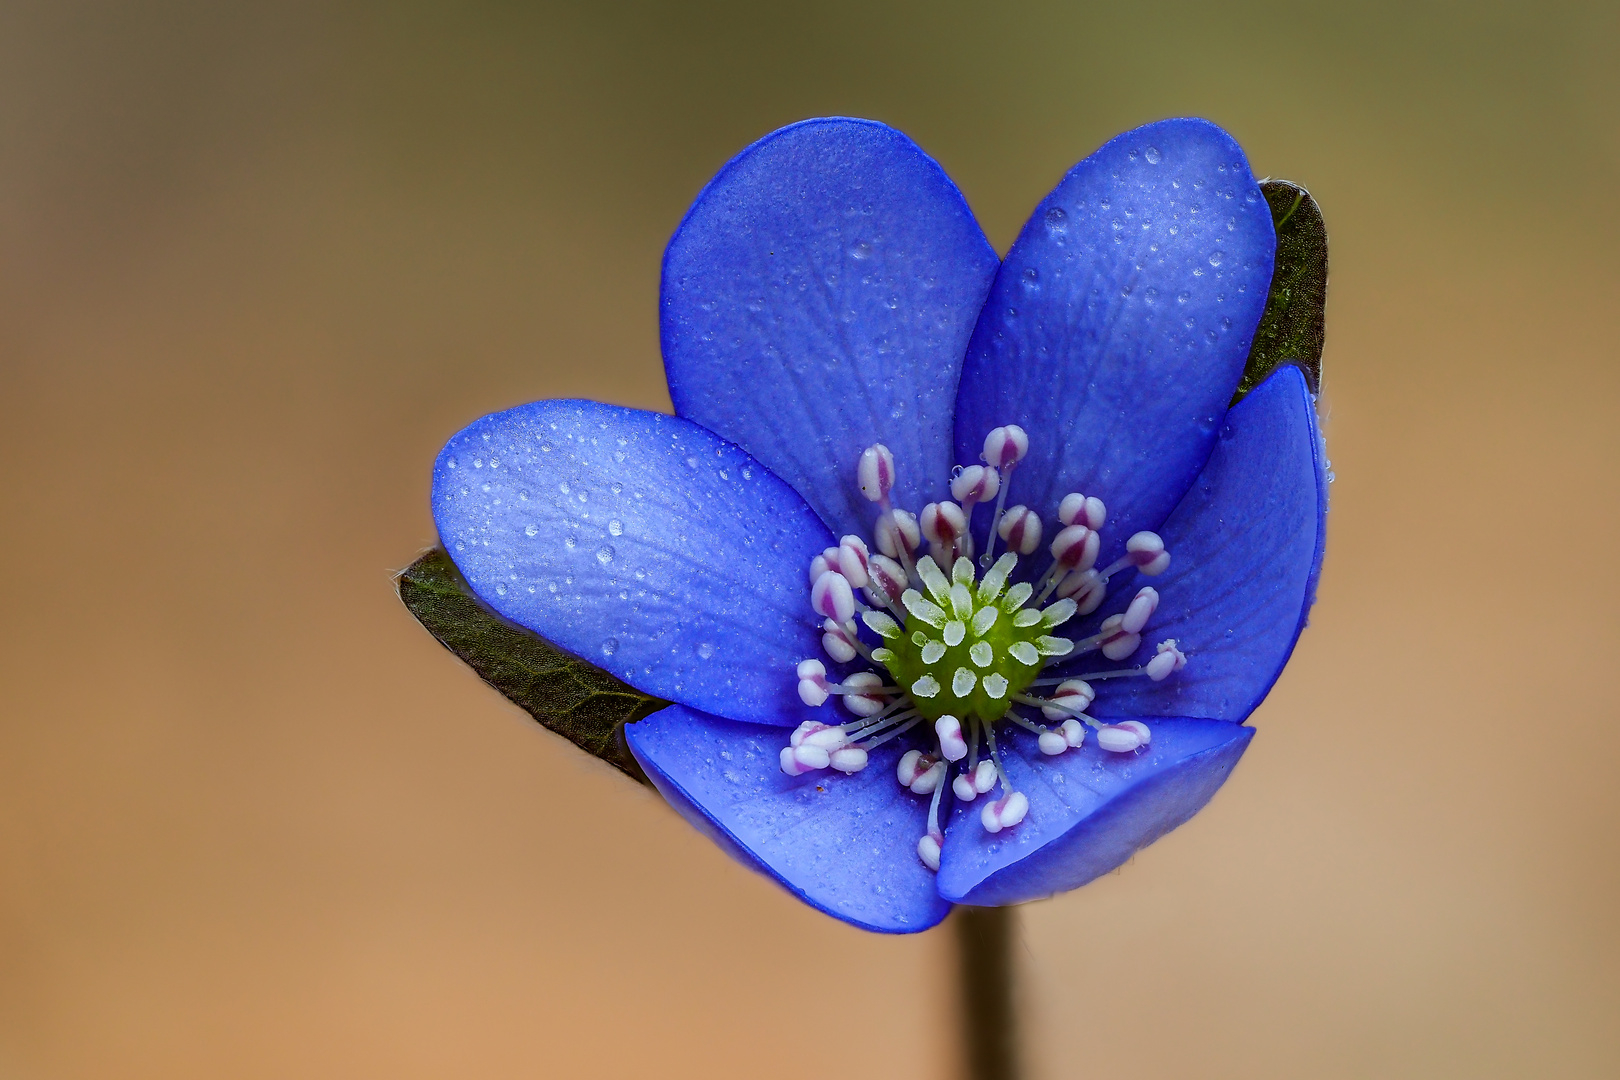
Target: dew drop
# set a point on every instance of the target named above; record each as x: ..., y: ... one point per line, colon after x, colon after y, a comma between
x: 610, y: 646
x: 604, y: 554
x: 1153, y: 156
x: 1216, y: 257
x: 1057, y: 222
x: 530, y: 530
x: 705, y: 650
x: 616, y: 528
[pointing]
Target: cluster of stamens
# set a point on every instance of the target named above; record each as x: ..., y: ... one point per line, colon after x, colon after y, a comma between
x: 963, y: 652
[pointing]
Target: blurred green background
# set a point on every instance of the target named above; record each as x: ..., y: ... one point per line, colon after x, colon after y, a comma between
x: 258, y: 261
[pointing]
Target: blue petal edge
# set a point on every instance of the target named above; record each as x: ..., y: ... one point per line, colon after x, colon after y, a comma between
x: 1089, y: 810
x: 642, y: 543
x: 818, y: 298
x: 1120, y: 322
x: 1246, y: 552
x: 845, y: 845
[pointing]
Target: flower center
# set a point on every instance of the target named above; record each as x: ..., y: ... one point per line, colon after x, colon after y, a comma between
x: 962, y: 653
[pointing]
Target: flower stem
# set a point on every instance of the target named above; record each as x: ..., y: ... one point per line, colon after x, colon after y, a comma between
x: 985, y: 973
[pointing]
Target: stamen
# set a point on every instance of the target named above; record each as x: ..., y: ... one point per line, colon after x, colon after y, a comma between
x: 838, y: 643
x: 1077, y: 509
x: 831, y: 596
x: 1004, y: 812
x: 1086, y: 588
x: 827, y: 560
x: 864, y: 693
x: 888, y: 580
x: 898, y: 537
x: 875, y: 473
x: 945, y: 526
x: 951, y: 743
x: 1167, y: 661
x: 1119, y: 739
x: 975, y: 484
x: 813, y: 686
x: 1004, y: 448
x: 852, y: 561
x: 1145, y: 551
x: 974, y: 782
x: 1021, y: 528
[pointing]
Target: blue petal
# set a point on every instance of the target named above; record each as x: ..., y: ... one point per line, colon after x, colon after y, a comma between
x: 1120, y: 322
x: 642, y: 543
x: 1246, y: 549
x: 817, y: 299
x: 1089, y: 810
x: 844, y: 844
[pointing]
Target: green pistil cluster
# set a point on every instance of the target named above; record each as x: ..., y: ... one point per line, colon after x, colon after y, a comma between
x: 966, y: 649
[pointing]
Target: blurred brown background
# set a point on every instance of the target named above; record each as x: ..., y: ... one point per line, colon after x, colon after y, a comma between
x: 258, y: 261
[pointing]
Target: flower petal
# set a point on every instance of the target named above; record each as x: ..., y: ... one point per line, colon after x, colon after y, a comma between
x: 1120, y: 322
x: 817, y: 299
x: 844, y: 844
x: 1246, y: 548
x: 642, y: 543
x: 1089, y: 810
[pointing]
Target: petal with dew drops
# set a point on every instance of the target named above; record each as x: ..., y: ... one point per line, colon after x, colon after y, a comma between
x: 642, y: 543
x: 846, y: 845
x: 1089, y: 810
x: 1120, y: 322
x: 1245, y: 552
x: 818, y: 298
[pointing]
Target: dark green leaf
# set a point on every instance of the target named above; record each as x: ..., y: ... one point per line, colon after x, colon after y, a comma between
x: 1291, y: 329
x: 578, y: 701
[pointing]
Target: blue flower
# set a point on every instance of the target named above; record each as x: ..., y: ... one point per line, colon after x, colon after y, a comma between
x: 1115, y: 571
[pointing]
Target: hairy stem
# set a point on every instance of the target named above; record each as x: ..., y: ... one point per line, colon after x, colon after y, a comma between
x: 985, y: 973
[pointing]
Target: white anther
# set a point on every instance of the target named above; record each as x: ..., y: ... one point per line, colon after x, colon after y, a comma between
x: 812, y: 682
x: 975, y: 484
x: 934, y: 651
x: 981, y: 653
x: 1052, y: 743
x: 828, y: 737
x: 930, y: 779
x: 984, y: 619
x: 1143, y: 605
x: 831, y: 596
x: 1076, y: 509
x: 1166, y: 662
x: 963, y: 681
x: 1024, y: 653
x: 1118, y: 739
x: 962, y: 574
x: 995, y: 685
x: 887, y: 580
x: 954, y: 633
x: 1070, y: 697
x: 1147, y: 554
x: 963, y: 787
x: 810, y: 757
x: 1114, y: 640
x: 1074, y: 732
x: 910, y: 766
x: 827, y: 560
x: 876, y: 472
x: 1006, y: 446
x: 860, y: 694
x: 928, y: 851
x: 984, y: 776
x: 951, y: 743
x: 1076, y: 547
x: 835, y: 639
x: 1140, y: 728
x: 1016, y: 596
x: 852, y: 560
x: 848, y: 759
x: 1005, y: 812
x: 1021, y: 528
x: 1086, y: 588
x: 943, y: 523
x: 1026, y: 618
x: 961, y: 599
x: 897, y: 531
x: 925, y: 687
